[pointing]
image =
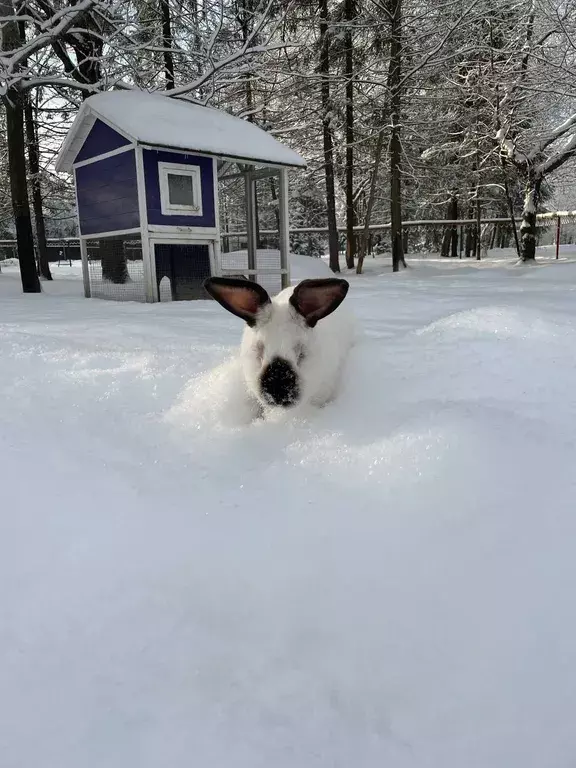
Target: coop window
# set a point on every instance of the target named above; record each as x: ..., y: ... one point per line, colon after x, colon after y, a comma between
x: 180, y: 189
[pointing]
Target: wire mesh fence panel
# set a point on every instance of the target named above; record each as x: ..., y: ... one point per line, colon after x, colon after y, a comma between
x: 568, y: 231
x: 557, y: 228
x: 235, y: 264
x: 232, y: 211
x: 234, y: 259
x: 268, y: 265
x: 165, y: 289
x: 181, y: 269
x: 64, y: 252
x: 116, y: 269
x: 8, y: 251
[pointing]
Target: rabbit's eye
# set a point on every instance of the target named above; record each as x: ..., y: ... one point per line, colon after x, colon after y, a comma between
x: 260, y: 351
x: 300, y: 354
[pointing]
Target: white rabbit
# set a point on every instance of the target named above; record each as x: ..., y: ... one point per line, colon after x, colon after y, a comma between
x: 294, y: 347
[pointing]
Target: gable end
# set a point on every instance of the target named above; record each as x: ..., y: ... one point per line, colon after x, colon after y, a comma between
x: 100, y: 140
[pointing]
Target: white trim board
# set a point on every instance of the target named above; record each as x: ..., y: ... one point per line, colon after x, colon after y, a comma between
x: 185, y: 233
x: 226, y: 158
x: 97, y: 158
x: 83, y: 248
x: 112, y: 233
x: 160, y: 148
x: 216, y: 249
x: 149, y: 262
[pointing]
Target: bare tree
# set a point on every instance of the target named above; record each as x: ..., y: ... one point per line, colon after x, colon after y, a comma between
x: 36, y: 188
x: 327, y: 137
x: 537, y: 142
x: 395, y: 88
x: 349, y: 74
x: 167, y: 44
x: 14, y: 102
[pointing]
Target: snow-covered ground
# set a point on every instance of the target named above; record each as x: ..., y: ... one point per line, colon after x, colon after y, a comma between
x: 386, y: 582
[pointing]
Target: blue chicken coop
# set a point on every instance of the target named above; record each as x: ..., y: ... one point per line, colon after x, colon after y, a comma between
x: 149, y: 172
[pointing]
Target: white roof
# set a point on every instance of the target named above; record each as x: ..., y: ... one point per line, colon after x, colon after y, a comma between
x: 148, y: 118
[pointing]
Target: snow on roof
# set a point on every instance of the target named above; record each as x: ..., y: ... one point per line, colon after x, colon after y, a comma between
x: 148, y: 118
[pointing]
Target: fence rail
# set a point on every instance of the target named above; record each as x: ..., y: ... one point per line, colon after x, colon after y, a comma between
x: 544, y: 219
x: 59, y: 249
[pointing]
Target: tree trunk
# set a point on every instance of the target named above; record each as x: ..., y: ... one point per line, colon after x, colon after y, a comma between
x: 35, y: 184
x: 349, y: 12
x: 19, y: 191
x: 510, y: 203
x: 478, y: 226
x: 470, y: 247
x: 274, y: 196
x: 371, y: 199
x: 493, y: 237
x: 167, y: 44
x: 394, y: 74
x: 328, y: 141
x: 14, y: 105
x: 454, y: 227
x: 445, y: 247
x: 450, y: 239
x: 528, y: 226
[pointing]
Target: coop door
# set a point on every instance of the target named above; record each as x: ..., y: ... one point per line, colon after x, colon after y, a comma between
x: 181, y: 270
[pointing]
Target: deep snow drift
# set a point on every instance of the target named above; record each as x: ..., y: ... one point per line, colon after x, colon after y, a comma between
x: 385, y: 582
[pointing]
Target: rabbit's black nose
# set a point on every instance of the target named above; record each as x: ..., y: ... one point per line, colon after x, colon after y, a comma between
x: 279, y: 383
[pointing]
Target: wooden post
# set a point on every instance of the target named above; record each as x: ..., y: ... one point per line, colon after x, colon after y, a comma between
x: 151, y: 285
x: 251, y: 230
x: 558, y: 227
x: 85, y: 266
x: 284, y: 239
x: 478, y: 229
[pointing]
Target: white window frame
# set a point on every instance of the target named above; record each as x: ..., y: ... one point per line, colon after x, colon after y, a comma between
x: 180, y: 169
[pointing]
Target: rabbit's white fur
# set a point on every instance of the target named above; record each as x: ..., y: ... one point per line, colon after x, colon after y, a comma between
x: 283, y: 333
x: 294, y: 345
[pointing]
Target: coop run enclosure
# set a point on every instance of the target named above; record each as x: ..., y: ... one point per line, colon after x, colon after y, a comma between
x: 169, y: 193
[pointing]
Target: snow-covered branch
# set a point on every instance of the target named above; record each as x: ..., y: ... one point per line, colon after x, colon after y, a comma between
x: 224, y: 63
x: 52, y: 29
x: 557, y: 133
x: 554, y: 162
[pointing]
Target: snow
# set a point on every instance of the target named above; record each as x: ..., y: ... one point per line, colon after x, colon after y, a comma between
x: 149, y: 118
x: 302, y: 267
x: 384, y: 582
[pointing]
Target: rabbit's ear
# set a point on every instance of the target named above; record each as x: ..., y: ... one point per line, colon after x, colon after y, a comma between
x: 241, y: 297
x: 315, y: 299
